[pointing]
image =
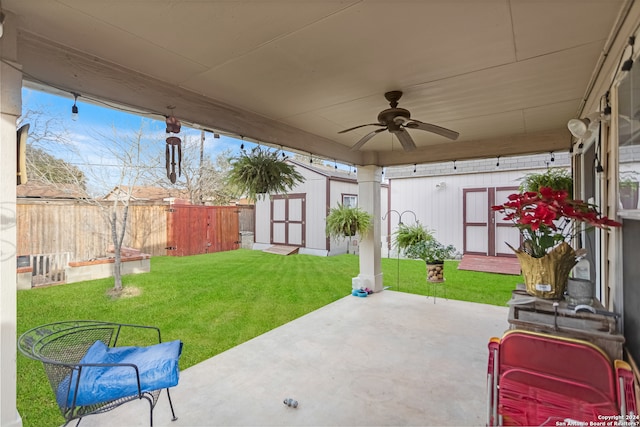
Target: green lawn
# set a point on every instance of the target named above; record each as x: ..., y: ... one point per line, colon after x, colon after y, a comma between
x: 214, y: 302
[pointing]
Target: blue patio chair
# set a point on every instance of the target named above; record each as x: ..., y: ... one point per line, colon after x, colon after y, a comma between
x: 90, y: 374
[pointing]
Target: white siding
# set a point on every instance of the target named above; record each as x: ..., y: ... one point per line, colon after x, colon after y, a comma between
x: 437, y: 203
x: 314, y: 187
x: 263, y: 220
x: 338, y: 188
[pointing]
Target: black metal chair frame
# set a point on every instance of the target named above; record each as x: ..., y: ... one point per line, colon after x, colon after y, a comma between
x: 60, y: 346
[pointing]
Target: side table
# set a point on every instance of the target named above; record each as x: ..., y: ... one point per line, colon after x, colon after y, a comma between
x: 540, y: 315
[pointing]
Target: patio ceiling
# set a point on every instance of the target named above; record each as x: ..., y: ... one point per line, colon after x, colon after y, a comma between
x: 506, y: 74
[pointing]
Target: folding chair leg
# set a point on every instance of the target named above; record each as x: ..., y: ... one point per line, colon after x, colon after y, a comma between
x: 490, y: 398
x: 492, y: 382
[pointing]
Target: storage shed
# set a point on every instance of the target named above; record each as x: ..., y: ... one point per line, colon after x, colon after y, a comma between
x: 297, y: 219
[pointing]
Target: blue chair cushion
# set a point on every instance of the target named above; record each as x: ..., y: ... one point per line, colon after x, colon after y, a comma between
x: 157, y: 366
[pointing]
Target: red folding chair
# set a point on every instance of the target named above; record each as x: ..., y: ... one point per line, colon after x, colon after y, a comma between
x: 539, y: 379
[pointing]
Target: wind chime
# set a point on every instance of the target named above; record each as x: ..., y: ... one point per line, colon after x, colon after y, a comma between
x: 173, y: 142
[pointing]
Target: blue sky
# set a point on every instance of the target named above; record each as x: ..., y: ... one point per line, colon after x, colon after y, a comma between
x: 93, y: 119
x: 97, y: 127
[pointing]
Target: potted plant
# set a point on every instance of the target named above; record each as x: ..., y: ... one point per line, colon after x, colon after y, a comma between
x: 628, y: 189
x: 408, y: 235
x: 546, y: 219
x: 433, y: 253
x: 260, y: 172
x: 345, y: 221
x: 555, y: 178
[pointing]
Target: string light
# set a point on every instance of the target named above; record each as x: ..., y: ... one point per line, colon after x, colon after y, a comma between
x: 2, y: 18
x: 598, y: 153
x: 414, y: 167
x: 626, y: 65
x: 74, y: 108
x: 498, y: 162
x: 454, y: 165
x: 553, y: 158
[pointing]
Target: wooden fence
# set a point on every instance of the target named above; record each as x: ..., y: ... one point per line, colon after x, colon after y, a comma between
x: 61, y: 226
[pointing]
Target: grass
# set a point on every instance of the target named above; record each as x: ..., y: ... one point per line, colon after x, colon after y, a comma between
x: 214, y: 302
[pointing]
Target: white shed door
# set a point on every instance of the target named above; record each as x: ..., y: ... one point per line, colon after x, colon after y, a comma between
x: 288, y: 220
x: 484, y: 231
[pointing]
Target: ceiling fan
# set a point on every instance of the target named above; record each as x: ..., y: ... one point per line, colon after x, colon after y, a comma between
x: 397, y: 120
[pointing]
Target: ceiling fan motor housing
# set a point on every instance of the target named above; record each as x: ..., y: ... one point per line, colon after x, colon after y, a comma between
x: 394, y: 120
x: 388, y: 118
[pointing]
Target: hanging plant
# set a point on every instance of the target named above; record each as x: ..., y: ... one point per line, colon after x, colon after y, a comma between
x: 345, y: 221
x: 408, y: 235
x: 260, y: 172
x: 555, y: 178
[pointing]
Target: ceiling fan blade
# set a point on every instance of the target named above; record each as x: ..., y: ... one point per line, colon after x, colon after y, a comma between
x: 366, y: 138
x: 417, y: 124
x: 361, y: 126
x: 405, y: 140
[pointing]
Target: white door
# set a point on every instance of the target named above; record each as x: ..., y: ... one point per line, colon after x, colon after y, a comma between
x: 288, y: 220
x: 484, y: 231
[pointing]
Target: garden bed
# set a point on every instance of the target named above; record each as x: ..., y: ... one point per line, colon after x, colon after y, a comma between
x: 78, y: 271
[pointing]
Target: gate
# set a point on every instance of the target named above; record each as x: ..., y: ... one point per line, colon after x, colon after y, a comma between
x: 193, y: 230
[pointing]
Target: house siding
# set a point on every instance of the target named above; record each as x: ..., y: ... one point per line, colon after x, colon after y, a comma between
x: 435, y: 194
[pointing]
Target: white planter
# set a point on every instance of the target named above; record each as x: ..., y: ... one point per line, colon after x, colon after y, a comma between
x: 580, y: 291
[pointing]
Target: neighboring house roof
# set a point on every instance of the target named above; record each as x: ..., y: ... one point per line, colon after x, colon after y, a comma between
x: 147, y: 193
x: 45, y: 190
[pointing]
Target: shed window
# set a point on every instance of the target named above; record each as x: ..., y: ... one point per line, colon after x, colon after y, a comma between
x: 350, y: 200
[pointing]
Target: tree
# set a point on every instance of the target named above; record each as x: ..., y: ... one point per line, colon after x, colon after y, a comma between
x: 45, y: 167
x: 47, y: 135
x: 131, y: 159
x: 124, y: 161
x: 203, y: 180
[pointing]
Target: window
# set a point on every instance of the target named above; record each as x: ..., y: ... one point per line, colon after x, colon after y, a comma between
x: 350, y: 200
x: 629, y: 144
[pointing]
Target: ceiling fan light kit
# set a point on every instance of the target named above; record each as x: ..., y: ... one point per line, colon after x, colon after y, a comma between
x: 397, y: 120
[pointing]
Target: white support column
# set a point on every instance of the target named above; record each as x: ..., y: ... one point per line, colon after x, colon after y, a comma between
x: 10, y: 109
x: 369, y: 178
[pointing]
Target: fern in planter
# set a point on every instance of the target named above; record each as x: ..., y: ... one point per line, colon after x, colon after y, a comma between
x: 556, y: 178
x: 344, y: 221
x: 260, y: 172
x: 408, y: 235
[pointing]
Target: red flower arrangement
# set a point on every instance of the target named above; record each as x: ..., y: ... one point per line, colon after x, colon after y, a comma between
x: 547, y: 217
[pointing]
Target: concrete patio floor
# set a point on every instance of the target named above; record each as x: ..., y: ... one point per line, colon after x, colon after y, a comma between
x: 388, y: 359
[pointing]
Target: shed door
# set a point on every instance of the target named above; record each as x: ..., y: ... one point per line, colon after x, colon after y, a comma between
x: 485, y: 232
x: 288, y: 215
